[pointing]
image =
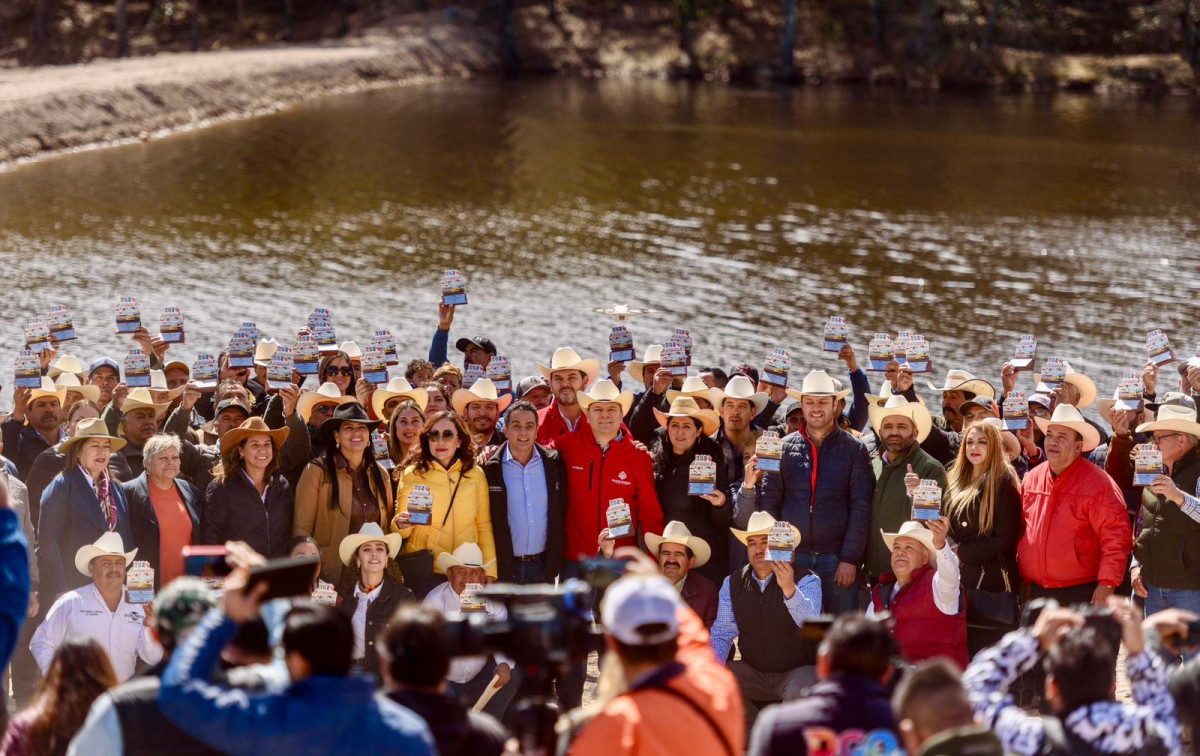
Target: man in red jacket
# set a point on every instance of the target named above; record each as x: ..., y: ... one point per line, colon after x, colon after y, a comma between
x: 568, y: 375
x: 1077, y: 537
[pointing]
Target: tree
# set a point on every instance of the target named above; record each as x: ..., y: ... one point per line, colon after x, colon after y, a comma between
x: 787, y: 42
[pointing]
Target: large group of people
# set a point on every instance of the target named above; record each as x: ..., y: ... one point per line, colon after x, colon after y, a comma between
x: 750, y: 510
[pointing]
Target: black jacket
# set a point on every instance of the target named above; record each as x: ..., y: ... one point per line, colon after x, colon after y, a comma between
x: 391, y: 597
x: 556, y: 505
x: 986, y: 555
x: 144, y: 523
x: 457, y: 731
x: 839, y: 704
x: 233, y: 511
x: 709, y: 523
x: 22, y: 444
x: 126, y: 463
x: 45, y: 468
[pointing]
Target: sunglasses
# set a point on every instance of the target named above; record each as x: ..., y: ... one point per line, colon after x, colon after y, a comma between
x: 346, y: 371
x: 446, y: 434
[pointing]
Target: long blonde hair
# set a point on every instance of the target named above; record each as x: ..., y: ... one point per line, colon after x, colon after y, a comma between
x: 963, y: 488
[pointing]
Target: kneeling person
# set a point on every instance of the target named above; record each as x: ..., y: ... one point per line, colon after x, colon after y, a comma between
x: 679, y: 553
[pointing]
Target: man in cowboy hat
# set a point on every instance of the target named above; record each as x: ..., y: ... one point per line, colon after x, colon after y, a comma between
x: 568, y: 374
x: 100, y: 611
x: 397, y: 390
x: 764, y: 606
x: 480, y: 406
x: 1077, y: 537
x: 1118, y: 461
x: 1170, y: 516
x: 958, y: 387
x: 34, y: 425
x: 738, y: 404
x: 140, y: 418
x: 679, y: 553
x: 923, y: 593
x: 900, y: 426
x: 824, y: 487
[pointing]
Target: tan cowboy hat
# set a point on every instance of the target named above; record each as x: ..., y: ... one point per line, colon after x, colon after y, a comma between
x: 605, y: 390
x: 738, y: 387
x: 916, y: 531
x: 1012, y: 447
x: 398, y: 387
x: 818, y: 383
x: 760, y: 524
x: 352, y: 350
x: 482, y: 390
x: 69, y: 382
x: 652, y: 356
x: 108, y: 544
x: 1172, y: 417
x: 93, y: 427
x: 693, y: 386
x: 1070, y: 417
x: 368, y: 533
x: 158, y: 382
x: 255, y: 426
x: 466, y: 555
x: 140, y: 398
x: 566, y: 358
x: 685, y: 406
x: 45, y: 391
x: 1105, y: 406
x: 897, y: 405
x: 961, y: 380
x: 1085, y: 385
x: 677, y: 532
x: 264, y: 351
x: 67, y: 363
x: 326, y: 393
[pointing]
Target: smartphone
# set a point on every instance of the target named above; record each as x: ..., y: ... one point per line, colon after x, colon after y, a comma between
x: 206, y: 561
x: 286, y: 577
x: 601, y: 573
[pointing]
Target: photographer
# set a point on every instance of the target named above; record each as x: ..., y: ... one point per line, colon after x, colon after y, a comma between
x: 1080, y: 682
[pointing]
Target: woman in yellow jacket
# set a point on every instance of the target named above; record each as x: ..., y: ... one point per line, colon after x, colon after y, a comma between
x: 444, y: 463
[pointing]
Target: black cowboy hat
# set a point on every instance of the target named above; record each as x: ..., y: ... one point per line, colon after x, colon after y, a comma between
x: 350, y: 412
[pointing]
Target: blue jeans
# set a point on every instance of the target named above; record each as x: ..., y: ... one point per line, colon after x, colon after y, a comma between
x: 526, y: 572
x: 1171, y: 598
x: 835, y: 599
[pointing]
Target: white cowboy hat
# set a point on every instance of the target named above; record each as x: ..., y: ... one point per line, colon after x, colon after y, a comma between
x: 898, y: 406
x: 69, y: 382
x: 466, y: 555
x: 368, y: 533
x: 158, y: 382
x: 264, y: 351
x: 108, y: 544
x: 1106, y: 406
x: 67, y: 363
x: 685, y: 406
x: 605, y: 390
x: 45, y: 391
x: 140, y: 398
x: 1069, y: 417
x: 760, y: 524
x: 1012, y: 446
x: 1085, y: 385
x: 93, y: 427
x: 961, y: 380
x: 652, y: 356
x: 677, y: 532
x: 566, y: 358
x: 352, y: 350
x: 693, y: 386
x: 326, y: 393
x: 916, y: 531
x: 398, y: 386
x: 818, y: 383
x: 1171, y: 417
x: 482, y: 390
x: 739, y: 387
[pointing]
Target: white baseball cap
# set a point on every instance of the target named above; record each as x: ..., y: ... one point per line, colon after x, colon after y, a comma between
x: 636, y: 601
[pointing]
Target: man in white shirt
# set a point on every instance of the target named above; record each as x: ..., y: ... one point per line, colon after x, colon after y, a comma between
x: 100, y: 611
x: 470, y: 676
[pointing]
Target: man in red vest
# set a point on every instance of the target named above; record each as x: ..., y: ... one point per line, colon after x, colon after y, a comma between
x: 923, y: 593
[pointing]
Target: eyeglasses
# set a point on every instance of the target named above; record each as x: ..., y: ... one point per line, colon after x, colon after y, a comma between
x: 346, y: 371
x: 324, y: 409
x: 1157, y: 440
x: 446, y: 434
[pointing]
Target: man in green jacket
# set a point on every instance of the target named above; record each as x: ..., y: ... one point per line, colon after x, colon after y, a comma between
x: 900, y: 427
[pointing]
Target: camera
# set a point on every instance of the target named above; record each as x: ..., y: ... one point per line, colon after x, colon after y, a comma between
x: 1097, y: 617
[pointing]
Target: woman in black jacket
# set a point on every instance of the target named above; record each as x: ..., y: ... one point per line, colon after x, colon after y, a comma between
x: 249, y: 500
x: 368, y: 552
x: 684, y: 437
x: 983, y: 502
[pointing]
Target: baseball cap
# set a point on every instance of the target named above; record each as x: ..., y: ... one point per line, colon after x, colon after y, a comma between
x: 635, y: 601
x: 1174, y: 398
x: 746, y: 370
x: 103, y: 362
x: 1039, y: 399
x: 225, y: 404
x: 529, y: 383
x: 984, y: 402
x: 482, y: 342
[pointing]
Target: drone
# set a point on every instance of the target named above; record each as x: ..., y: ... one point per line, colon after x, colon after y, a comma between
x: 621, y: 312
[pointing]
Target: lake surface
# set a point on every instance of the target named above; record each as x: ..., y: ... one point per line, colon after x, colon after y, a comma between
x: 747, y: 216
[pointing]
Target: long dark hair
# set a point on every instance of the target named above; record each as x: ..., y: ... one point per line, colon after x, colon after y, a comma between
x: 422, y: 459
x: 394, y: 451
x: 662, y: 453
x: 323, y: 366
x: 234, y: 462
x: 374, y: 477
x: 78, y: 674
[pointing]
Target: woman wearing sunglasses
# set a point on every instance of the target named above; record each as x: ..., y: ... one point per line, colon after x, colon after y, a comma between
x: 335, y: 368
x: 443, y: 462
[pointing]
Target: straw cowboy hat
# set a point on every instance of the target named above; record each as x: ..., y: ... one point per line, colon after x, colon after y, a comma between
x: 158, y: 382
x: 1012, y: 447
x: 739, y: 387
x: 652, y: 356
x: 677, y: 532
x: 898, y: 406
x: 693, y: 386
x: 1085, y: 385
x: 69, y: 382
x: 68, y: 364
x: 685, y: 406
x: 93, y: 427
x: 255, y: 426
x: 760, y: 524
x: 605, y: 390
x: 566, y: 358
x: 961, y: 380
x: 482, y: 390
x: 398, y: 387
x: 915, y: 531
x: 1106, y: 406
x: 466, y: 555
x: 1069, y: 417
x: 46, y: 391
x: 369, y: 533
x: 140, y: 398
x: 352, y: 350
x: 326, y: 393
x: 1171, y: 417
x: 108, y: 544
x: 818, y: 383
x: 265, y: 350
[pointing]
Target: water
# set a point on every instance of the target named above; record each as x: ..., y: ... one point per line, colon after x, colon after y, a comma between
x: 747, y: 216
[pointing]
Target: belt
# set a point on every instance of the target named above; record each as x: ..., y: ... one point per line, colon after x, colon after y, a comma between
x: 531, y: 557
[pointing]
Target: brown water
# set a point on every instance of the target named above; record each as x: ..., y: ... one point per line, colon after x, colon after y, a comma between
x: 748, y: 217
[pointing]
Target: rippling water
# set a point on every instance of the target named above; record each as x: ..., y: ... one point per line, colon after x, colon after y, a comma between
x: 747, y: 216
